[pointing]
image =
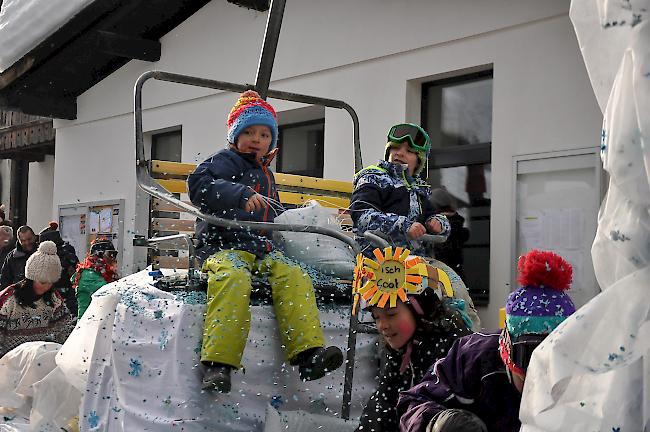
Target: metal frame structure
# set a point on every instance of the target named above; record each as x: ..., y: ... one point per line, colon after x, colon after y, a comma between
x: 265, y: 66
x: 148, y: 184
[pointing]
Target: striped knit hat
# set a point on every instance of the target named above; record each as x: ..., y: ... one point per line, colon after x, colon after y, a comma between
x: 541, y: 303
x: 250, y: 110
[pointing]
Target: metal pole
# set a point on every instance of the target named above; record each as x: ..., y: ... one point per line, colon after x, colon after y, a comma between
x: 269, y: 46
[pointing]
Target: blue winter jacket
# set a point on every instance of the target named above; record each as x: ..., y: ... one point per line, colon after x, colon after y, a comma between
x: 221, y: 185
x: 387, y: 199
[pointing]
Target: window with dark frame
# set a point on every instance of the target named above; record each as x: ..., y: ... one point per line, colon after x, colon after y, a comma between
x: 457, y: 115
x: 167, y: 146
x: 302, y: 148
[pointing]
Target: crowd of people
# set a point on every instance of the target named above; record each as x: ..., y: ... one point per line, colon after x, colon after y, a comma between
x: 436, y: 373
x: 43, y: 286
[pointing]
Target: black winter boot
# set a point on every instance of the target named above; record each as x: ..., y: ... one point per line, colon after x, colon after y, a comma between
x: 314, y: 363
x: 217, y: 378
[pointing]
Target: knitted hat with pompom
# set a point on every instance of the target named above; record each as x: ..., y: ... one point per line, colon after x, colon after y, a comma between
x: 51, y: 232
x: 44, y: 265
x: 541, y: 303
x: 250, y: 109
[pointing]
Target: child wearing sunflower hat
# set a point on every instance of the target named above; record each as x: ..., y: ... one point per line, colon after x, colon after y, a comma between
x: 415, y: 326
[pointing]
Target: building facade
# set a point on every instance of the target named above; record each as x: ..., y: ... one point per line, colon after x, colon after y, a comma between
x: 500, y: 86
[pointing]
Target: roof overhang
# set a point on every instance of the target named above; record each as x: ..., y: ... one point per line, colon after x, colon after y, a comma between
x: 97, y: 41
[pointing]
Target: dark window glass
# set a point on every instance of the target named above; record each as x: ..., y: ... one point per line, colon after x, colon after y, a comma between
x: 302, y: 148
x: 167, y: 146
x: 457, y: 115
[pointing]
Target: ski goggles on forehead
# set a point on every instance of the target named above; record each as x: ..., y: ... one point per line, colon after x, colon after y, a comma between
x: 522, y: 349
x: 415, y: 135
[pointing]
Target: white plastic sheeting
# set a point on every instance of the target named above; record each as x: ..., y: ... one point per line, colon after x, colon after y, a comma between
x: 26, y: 23
x: 135, y: 357
x: 34, y: 394
x: 593, y: 372
x: 301, y: 421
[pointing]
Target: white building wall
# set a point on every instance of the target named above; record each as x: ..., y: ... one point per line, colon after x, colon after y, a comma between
x: 40, y: 209
x: 358, y: 52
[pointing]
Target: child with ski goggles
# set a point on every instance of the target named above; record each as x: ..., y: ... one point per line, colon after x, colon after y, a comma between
x: 392, y: 198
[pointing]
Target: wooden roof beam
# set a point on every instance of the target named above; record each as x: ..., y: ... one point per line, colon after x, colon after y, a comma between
x: 258, y: 5
x: 45, y: 106
x: 128, y: 46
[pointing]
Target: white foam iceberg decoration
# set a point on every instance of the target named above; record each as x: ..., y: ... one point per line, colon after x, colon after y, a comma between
x: 593, y: 372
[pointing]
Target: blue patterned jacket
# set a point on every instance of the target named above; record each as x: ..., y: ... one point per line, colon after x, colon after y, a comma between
x: 387, y: 199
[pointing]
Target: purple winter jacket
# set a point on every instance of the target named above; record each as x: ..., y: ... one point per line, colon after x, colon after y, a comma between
x: 472, y: 377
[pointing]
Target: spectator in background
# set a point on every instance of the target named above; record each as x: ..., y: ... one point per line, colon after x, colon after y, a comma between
x: 69, y: 261
x: 451, y: 251
x: 6, y: 241
x: 97, y: 269
x: 13, y: 269
x: 31, y: 310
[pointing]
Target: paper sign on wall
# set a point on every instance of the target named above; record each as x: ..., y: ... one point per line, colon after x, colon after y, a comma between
x: 106, y: 220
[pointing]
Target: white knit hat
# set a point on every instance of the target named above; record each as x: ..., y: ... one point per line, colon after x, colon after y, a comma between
x: 44, y: 264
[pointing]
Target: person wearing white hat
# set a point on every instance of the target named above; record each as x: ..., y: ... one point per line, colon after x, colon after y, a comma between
x: 30, y: 310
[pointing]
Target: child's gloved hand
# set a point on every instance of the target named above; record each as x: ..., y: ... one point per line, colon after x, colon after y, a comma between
x: 416, y: 231
x: 255, y: 202
x: 434, y: 226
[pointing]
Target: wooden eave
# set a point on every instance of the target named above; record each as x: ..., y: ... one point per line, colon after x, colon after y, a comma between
x: 96, y: 42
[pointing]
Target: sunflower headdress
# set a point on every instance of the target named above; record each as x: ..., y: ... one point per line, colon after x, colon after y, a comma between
x: 391, y: 275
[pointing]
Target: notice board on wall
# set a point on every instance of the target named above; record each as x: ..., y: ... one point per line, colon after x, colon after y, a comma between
x: 81, y: 223
x: 557, y: 200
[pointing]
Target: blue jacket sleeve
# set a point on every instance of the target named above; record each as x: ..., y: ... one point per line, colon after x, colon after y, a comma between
x: 213, y: 186
x: 366, y: 212
x: 444, y: 223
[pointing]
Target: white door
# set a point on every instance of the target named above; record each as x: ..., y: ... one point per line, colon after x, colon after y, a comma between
x: 557, y: 198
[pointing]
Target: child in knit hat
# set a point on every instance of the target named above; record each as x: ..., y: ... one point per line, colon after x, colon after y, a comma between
x: 485, y: 373
x: 30, y: 310
x: 68, y: 257
x: 236, y: 183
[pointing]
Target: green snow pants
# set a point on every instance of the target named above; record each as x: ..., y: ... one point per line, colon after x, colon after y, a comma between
x: 228, y: 316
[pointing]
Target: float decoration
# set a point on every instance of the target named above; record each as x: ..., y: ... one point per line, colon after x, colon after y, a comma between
x: 391, y: 275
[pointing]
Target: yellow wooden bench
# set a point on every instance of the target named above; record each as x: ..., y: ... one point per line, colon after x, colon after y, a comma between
x: 294, y: 191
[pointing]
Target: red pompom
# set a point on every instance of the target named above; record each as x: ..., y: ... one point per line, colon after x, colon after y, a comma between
x: 544, y: 269
x: 54, y: 226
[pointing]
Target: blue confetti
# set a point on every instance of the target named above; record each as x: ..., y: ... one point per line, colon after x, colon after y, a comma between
x: 136, y: 368
x: 93, y: 419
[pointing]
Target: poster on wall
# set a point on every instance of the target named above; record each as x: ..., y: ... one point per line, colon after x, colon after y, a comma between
x: 81, y: 223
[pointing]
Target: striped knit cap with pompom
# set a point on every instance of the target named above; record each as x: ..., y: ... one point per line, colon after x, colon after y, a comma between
x: 250, y: 110
x: 541, y: 303
x: 44, y: 265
